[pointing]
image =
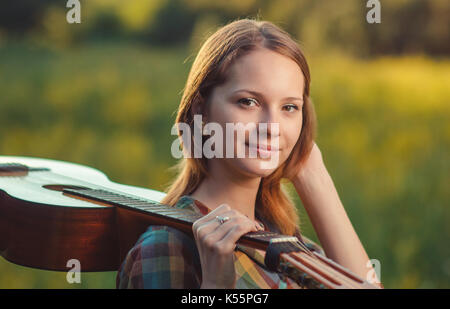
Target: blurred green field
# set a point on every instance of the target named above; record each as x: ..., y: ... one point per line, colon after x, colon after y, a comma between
x: 383, y: 131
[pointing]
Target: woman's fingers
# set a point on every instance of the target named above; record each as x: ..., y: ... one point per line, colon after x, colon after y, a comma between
x: 213, y: 230
x: 223, y: 239
x: 212, y: 215
x: 208, y: 219
x: 212, y: 223
x: 228, y: 242
x: 209, y: 231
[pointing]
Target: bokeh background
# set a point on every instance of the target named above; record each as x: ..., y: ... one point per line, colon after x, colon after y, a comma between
x: 104, y: 93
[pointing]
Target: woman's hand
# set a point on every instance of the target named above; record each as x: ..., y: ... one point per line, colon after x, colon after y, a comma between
x: 216, y: 243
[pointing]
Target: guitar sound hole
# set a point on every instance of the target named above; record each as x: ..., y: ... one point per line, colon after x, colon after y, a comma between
x: 62, y: 187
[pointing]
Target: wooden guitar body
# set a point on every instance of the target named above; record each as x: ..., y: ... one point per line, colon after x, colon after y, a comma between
x: 41, y: 227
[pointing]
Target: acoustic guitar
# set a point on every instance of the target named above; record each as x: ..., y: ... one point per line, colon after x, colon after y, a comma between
x: 54, y: 211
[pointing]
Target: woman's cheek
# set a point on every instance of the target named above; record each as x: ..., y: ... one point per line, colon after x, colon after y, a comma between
x: 292, y: 137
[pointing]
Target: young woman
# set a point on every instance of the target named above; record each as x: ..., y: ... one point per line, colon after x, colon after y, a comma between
x: 247, y: 72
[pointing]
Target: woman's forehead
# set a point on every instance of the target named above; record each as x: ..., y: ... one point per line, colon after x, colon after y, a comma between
x: 264, y: 69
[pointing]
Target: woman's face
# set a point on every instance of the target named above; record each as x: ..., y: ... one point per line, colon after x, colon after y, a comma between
x: 262, y: 87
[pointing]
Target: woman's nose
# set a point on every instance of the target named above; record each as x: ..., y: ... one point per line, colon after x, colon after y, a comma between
x: 269, y: 123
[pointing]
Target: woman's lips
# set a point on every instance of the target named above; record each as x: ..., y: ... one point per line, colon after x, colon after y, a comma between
x: 264, y: 150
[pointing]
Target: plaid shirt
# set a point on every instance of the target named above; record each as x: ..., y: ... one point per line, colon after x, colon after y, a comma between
x: 164, y: 257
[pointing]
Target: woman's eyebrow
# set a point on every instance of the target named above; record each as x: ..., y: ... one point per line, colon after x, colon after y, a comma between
x: 258, y: 94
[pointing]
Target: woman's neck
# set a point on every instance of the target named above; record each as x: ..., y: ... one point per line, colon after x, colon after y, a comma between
x: 225, y: 187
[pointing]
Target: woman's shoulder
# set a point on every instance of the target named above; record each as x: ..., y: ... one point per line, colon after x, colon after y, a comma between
x: 159, y: 234
x: 162, y: 234
x: 162, y: 257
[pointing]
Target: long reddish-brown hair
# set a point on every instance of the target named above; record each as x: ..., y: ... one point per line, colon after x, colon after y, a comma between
x: 210, y: 67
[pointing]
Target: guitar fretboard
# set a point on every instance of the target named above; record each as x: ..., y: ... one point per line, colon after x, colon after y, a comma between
x: 170, y: 213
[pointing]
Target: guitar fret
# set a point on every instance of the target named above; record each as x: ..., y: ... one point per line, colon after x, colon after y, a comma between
x: 121, y: 199
x: 167, y: 209
x: 124, y: 200
x: 114, y: 196
x: 181, y: 214
x: 142, y: 206
x: 166, y: 212
x: 150, y: 207
x: 127, y: 201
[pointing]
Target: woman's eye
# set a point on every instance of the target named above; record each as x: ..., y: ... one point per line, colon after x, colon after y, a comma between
x: 248, y: 102
x: 290, y: 107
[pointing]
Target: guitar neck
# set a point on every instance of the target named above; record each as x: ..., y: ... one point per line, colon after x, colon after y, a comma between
x: 165, y: 214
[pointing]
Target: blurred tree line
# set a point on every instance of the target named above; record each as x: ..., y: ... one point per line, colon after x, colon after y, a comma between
x: 407, y: 26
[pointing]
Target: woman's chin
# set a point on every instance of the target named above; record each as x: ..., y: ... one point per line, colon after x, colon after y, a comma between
x: 257, y: 167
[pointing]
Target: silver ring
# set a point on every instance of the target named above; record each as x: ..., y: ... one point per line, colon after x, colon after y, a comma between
x: 222, y: 220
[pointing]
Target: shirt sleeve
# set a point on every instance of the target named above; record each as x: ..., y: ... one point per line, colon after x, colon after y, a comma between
x: 162, y: 258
